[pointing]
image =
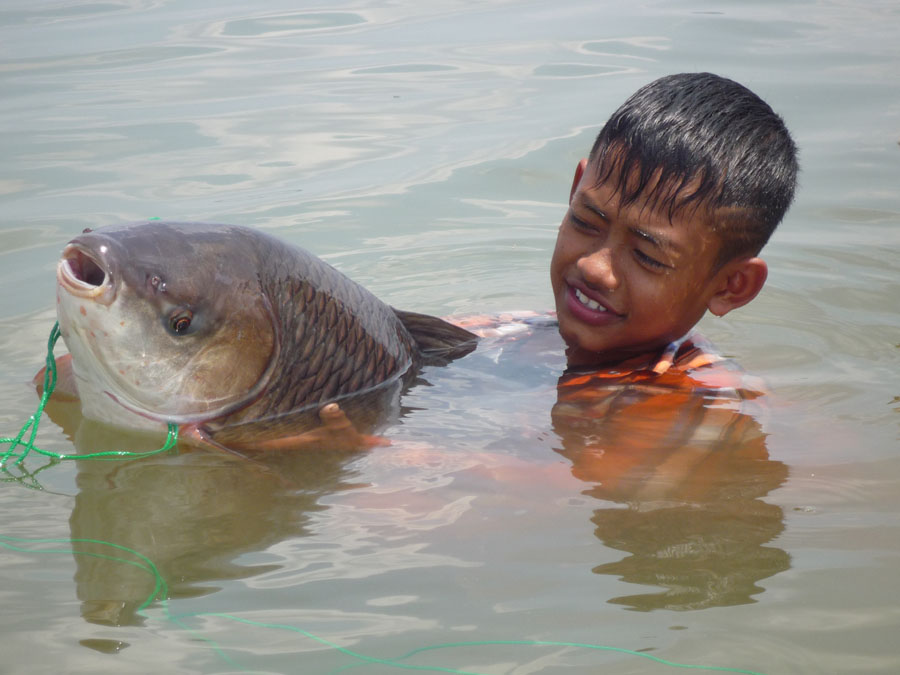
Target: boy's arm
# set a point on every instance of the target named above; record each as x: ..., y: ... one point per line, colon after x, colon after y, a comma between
x: 335, y: 433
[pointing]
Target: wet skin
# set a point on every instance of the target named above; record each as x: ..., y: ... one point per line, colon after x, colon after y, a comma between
x: 627, y: 281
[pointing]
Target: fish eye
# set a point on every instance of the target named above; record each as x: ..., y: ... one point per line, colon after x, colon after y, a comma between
x: 180, y: 323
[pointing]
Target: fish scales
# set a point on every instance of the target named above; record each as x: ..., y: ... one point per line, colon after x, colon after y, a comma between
x: 345, y: 374
x: 355, y: 381
x: 316, y: 360
x: 340, y: 334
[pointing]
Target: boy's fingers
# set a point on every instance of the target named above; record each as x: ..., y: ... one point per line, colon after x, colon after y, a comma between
x: 333, y: 417
x: 339, y: 430
x: 375, y: 441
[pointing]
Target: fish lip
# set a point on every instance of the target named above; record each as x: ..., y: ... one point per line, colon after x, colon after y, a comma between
x: 130, y: 409
x: 77, y: 272
x: 178, y: 420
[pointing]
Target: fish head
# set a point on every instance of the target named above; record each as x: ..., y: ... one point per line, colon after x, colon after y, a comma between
x: 165, y: 320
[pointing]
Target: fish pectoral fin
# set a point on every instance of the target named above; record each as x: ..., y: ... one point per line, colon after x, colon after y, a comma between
x: 197, y: 437
x: 336, y: 433
x: 66, y: 389
x: 439, y: 341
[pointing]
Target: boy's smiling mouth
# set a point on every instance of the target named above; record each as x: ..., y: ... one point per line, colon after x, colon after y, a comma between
x: 592, y: 304
x: 592, y: 310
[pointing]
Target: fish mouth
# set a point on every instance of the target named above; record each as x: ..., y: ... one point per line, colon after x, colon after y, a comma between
x: 82, y: 274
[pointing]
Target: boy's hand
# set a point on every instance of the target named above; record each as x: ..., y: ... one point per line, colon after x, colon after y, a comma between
x: 66, y: 389
x: 338, y: 432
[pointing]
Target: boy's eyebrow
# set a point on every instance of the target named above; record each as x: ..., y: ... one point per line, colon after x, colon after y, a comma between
x: 600, y: 213
x: 662, y: 243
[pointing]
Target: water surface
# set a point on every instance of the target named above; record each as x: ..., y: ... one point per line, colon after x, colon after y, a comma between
x: 426, y: 149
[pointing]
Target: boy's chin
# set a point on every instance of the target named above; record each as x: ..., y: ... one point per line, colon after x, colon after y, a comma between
x: 583, y: 344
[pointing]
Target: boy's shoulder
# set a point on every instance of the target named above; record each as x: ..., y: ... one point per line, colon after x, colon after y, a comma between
x: 505, y: 324
x: 691, y: 366
x: 690, y: 363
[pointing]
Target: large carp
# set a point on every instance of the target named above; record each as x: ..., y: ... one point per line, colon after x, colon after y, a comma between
x: 231, y: 333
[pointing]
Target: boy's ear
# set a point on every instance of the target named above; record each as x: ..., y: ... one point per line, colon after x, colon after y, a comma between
x: 579, y: 172
x: 739, y: 282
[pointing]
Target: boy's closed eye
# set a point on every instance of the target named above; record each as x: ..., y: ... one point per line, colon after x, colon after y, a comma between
x: 583, y: 224
x: 656, y: 260
x: 649, y: 261
x: 599, y: 222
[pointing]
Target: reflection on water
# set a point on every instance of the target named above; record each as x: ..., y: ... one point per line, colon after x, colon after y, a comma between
x: 688, y: 467
x: 680, y: 465
x: 191, y: 513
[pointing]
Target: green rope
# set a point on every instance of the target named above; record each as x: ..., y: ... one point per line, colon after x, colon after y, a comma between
x: 579, y: 645
x: 160, y: 590
x: 33, y: 421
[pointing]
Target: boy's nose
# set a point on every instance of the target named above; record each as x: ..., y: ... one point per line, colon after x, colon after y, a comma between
x: 597, y: 269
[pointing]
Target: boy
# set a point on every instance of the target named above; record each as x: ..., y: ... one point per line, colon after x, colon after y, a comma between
x: 684, y: 185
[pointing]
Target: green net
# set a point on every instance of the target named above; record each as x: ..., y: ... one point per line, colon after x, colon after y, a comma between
x: 19, y: 448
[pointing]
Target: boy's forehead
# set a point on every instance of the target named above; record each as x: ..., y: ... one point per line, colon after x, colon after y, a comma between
x: 669, y: 202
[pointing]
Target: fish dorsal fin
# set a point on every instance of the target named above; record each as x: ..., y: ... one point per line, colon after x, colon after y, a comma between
x: 438, y: 341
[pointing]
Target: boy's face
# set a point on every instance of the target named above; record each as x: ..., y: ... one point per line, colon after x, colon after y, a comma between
x: 627, y: 281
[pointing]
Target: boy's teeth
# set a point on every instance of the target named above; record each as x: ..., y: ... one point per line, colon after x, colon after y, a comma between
x: 592, y: 304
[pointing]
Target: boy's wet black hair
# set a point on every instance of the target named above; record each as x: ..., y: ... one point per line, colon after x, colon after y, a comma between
x: 704, y: 142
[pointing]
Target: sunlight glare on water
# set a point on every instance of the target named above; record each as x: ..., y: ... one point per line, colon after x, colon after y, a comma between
x: 427, y: 150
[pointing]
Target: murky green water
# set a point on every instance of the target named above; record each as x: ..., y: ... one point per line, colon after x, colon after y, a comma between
x: 426, y: 149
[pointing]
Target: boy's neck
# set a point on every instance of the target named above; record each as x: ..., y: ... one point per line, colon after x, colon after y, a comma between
x: 635, y: 362
x: 649, y: 360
